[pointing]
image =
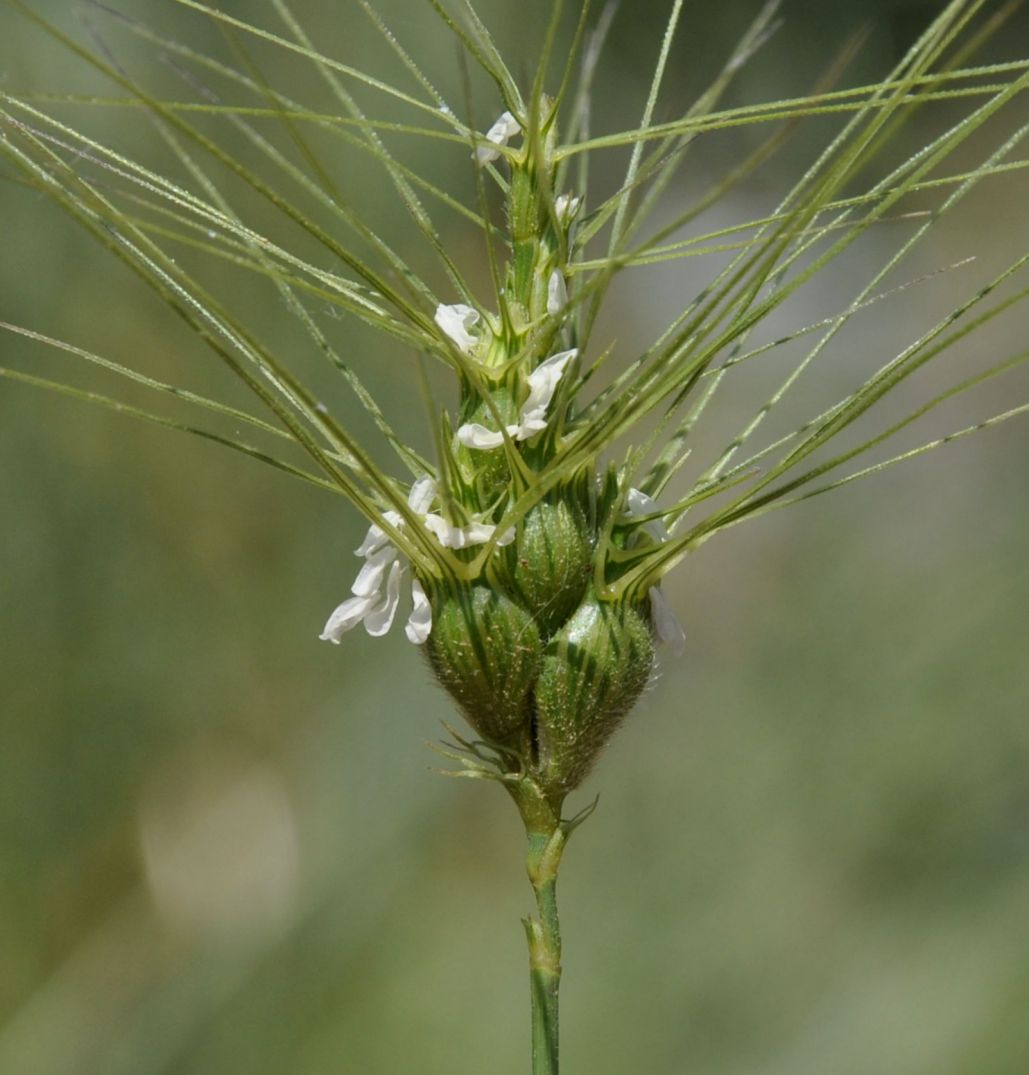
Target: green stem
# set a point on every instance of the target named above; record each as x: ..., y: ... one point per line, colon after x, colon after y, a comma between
x: 548, y: 834
x: 544, y: 937
x: 546, y: 842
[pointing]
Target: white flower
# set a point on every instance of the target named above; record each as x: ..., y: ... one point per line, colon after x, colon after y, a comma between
x: 456, y: 322
x: 543, y: 382
x: 639, y: 504
x: 419, y: 623
x: 557, y: 292
x: 505, y: 128
x: 374, y: 608
x: 566, y: 206
x: 667, y: 628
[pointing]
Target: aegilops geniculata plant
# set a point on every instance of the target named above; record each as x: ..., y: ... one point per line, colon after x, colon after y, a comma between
x: 527, y: 557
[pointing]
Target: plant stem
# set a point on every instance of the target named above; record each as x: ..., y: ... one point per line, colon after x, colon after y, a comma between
x: 544, y: 937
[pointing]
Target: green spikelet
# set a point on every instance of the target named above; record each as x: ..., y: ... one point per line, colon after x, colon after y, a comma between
x: 552, y: 564
x: 486, y: 651
x: 593, y: 671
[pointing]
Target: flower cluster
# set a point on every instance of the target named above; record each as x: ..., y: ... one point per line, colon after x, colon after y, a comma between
x: 531, y: 545
x: 543, y: 382
x: 376, y: 609
x: 538, y: 648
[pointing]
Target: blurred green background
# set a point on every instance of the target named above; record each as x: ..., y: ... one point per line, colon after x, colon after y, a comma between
x: 221, y: 849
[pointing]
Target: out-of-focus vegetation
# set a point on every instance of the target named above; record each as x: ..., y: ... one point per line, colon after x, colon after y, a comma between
x: 221, y: 851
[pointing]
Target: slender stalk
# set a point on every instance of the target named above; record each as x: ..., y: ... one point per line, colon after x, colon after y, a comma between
x: 547, y: 835
x: 544, y: 937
